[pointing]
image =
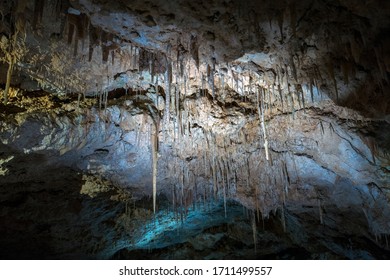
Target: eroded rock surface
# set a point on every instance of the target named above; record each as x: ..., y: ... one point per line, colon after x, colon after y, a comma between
x: 277, y: 107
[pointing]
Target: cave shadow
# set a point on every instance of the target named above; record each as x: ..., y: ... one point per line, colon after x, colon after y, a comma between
x: 43, y: 214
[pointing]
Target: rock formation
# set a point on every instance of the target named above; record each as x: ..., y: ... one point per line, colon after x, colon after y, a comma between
x: 195, y: 129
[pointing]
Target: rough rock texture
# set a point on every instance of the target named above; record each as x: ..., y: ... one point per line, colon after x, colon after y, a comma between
x: 313, y: 182
x: 280, y: 107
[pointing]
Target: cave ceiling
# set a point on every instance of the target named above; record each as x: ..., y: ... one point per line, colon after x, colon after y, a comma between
x: 272, y: 104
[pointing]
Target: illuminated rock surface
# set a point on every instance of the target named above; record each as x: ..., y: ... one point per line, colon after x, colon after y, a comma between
x: 273, y: 130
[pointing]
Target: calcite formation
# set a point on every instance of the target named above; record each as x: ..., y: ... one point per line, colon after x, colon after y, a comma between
x: 149, y: 125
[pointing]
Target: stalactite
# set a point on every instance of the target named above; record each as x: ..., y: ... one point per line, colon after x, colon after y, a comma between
x: 212, y: 77
x: 222, y: 78
x: 254, y: 231
x: 105, y: 53
x: 157, y: 91
x: 137, y: 60
x: 223, y: 175
x: 131, y: 59
x: 154, y: 144
x: 261, y: 118
x: 250, y: 81
x: 269, y: 101
x: 189, y: 128
x: 178, y: 112
x: 280, y: 24
x: 38, y: 13
x: 297, y: 93
x: 134, y: 56
x: 236, y: 79
x: 100, y: 100
x: 228, y: 175
x: 300, y: 92
x: 208, y: 73
x: 185, y: 84
x: 81, y: 23
x: 345, y: 70
x: 242, y: 89
x: 94, y: 38
x: 355, y: 49
x: 330, y: 69
x: 311, y: 89
x: 77, y: 26
x: 279, y: 78
x: 294, y: 69
x: 76, y: 46
x: 182, y: 195
x: 112, y: 52
x: 287, y: 179
x: 293, y: 17
x: 283, y: 217
x: 71, y: 29
x: 194, y: 50
x: 168, y: 82
x: 58, y: 7
x: 202, y: 88
x: 214, y: 167
x: 248, y: 174
x: 378, y: 50
x: 205, y: 161
x: 105, y: 99
x: 256, y: 187
x: 317, y: 76
x: 291, y: 97
x: 78, y: 100
x: 184, y: 120
x: 151, y: 69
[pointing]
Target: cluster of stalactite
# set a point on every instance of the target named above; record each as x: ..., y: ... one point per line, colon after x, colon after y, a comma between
x: 182, y: 67
x: 185, y: 80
